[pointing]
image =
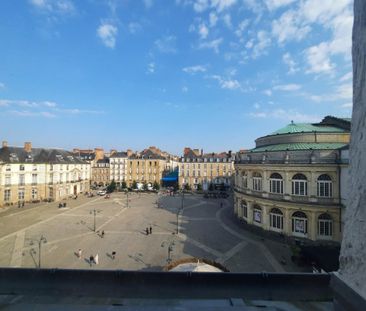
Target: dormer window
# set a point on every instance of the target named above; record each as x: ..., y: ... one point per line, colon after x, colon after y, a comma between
x: 8, y: 168
x: 21, y: 167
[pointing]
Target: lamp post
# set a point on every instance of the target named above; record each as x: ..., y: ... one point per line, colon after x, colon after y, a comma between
x: 94, y: 212
x: 40, y: 241
x: 180, y: 211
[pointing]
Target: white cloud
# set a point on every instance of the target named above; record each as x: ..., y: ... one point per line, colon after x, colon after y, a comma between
x: 275, y: 4
x: 107, y: 33
x: 203, y: 31
x: 184, y: 89
x: 318, y: 59
x: 2, y: 86
x: 229, y: 84
x: 347, y: 105
x: 346, y: 77
x: 151, y: 67
x: 221, y: 5
x: 166, y: 44
x: 241, y: 27
x: 214, y: 45
x: 288, y: 60
x: 200, y: 5
x: 287, y: 115
x: 134, y: 27
x: 287, y: 87
x: 263, y: 42
x: 268, y: 92
x: 213, y: 19
x: 256, y: 106
x: 148, y: 3
x: 289, y: 27
x: 227, y: 20
x: 341, y: 92
x: 27, y: 113
x: 194, y: 69
x: 54, y: 6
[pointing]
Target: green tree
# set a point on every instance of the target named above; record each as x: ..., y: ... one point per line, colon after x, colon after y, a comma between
x: 199, y: 187
x: 123, y: 185
x: 187, y: 187
x: 156, y: 186
x: 111, y: 187
x: 134, y: 185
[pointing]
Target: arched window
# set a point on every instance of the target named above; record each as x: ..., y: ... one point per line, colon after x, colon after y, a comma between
x: 275, y: 183
x: 299, y: 223
x: 244, y: 209
x: 325, y: 225
x: 257, y: 214
x: 257, y: 181
x: 244, y: 180
x: 324, y: 186
x: 299, y: 185
x: 276, y: 219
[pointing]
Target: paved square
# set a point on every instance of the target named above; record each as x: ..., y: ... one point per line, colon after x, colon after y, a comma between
x: 202, y: 234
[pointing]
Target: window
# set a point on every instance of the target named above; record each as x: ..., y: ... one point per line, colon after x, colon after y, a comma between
x: 34, y: 168
x: 257, y: 181
x: 324, y: 186
x: 299, y: 185
x: 244, y: 209
x: 275, y: 183
x: 299, y: 223
x: 325, y: 225
x: 21, y: 180
x: 8, y: 168
x: 276, y: 219
x: 245, y: 180
x: 34, y: 194
x: 257, y: 214
x: 21, y: 194
x: 7, y: 180
x: 7, y: 194
x: 21, y: 167
x: 34, y: 179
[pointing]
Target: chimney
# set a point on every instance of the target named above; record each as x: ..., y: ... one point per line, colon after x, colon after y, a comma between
x: 99, y: 154
x: 112, y: 152
x: 28, y: 146
x: 5, y: 144
x: 75, y: 150
x: 129, y: 152
x: 201, y: 152
x: 186, y: 150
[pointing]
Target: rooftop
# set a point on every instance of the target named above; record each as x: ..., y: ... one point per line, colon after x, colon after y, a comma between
x: 300, y: 146
x: 307, y: 128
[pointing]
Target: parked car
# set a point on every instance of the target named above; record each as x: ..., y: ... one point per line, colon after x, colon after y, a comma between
x: 101, y: 192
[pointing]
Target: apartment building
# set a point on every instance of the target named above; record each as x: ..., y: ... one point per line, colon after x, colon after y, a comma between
x: 34, y: 174
x: 199, y: 170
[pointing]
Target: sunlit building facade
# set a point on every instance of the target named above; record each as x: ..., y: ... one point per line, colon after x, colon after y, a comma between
x: 290, y: 183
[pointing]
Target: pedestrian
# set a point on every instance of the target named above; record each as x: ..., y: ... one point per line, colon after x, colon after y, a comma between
x: 113, y: 254
x: 102, y: 233
x: 147, y: 231
x: 91, y: 260
x: 80, y: 253
x: 150, y: 230
x: 18, y: 204
x: 96, y: 259
x: 23, y: 204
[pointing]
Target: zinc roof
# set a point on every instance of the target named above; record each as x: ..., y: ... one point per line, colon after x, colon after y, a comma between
x: 299, y: 146
x: 307, y: 127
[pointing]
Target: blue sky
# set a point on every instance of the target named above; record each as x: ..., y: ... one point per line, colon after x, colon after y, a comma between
x: 211, y: 74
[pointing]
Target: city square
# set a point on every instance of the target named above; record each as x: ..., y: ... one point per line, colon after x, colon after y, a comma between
x: 204, y: 231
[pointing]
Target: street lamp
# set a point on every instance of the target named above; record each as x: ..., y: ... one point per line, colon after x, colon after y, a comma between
x: 180, y: 211
x: 40, y: 241
x: 94, y: 212
x: 170, y: 245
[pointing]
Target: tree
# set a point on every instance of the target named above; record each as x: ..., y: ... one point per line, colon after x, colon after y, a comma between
x: 199, y: 187
x: 134, y: 185
x: 123, y: 185
x: 156, y: 186
x: 111, y: 187
x: 187, y: 187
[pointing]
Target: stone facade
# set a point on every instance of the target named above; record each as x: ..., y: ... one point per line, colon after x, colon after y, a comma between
x: 100, y: 172
x: 200, y: 170
x: 35, y: 174
x: 294, y: 187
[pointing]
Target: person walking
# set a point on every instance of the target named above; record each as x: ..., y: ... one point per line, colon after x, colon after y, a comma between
x: 147, y: 231
x: 91, y: 260
x: 102, y: 234
x: 96, y: 259
x: 80, y: 253
x: 113, y: 254
x: 150, y: 230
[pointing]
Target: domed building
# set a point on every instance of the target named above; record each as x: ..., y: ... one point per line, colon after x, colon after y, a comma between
x: 294, y: 181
